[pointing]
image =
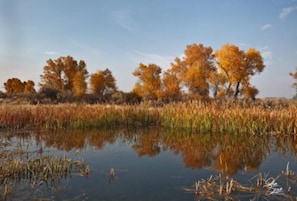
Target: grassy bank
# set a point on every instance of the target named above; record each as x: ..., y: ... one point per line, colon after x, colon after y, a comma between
x: 213, y: 117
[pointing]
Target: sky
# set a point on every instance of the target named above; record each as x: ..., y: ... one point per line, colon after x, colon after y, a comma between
x: 120, y: 34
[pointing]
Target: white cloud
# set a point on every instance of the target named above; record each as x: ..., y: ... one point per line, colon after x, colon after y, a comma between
x: 243, y: 45
x: 124, y: 20
x: 266, y: 26
x: 148, y: 58
x: 267, y: 55
x: 286, y: 11
x: 50, y: 53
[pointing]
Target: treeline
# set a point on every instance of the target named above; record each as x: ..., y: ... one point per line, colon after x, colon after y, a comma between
x: 200, y: 73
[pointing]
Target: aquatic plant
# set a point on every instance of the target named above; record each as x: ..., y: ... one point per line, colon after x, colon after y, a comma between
x: 261, y: 186
x: 38, y: 170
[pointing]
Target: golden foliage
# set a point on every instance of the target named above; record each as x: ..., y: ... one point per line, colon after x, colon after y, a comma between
x: 237, y: 66
x: 149, y: 83
x: 170, y: 86
x: 103, y: 83
x: 60, y: 73
x: 195, y: 67
x: 79, y: 84
x: 15, y: 85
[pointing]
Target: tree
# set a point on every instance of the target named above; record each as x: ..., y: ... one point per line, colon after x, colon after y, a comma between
x: 249, y: 92
x: 216, y: 81
x: 149, y: 83
x: 29, y: 87
x: 14, y: 86
x: 237, y: 66
x: 294, y: 76
x: 170, y: 86
x: 60, y: 73
x: 103, y: 83
x: 194, y: 69
x: 79, y: 84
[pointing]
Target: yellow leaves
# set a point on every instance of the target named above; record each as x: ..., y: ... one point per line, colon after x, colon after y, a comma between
x: 254, y: 61
x: 194, y: 68
x: 231, y: 61
x: 237, y: 66
x: 29, y: 87
x: 15, y: 85
x: 59, y: 74
x: 171, y: 88
x: 226, y: 72
x: 149, y: 82
x: 79, y: 84
x: 249, y: 92
x: 103, y: 83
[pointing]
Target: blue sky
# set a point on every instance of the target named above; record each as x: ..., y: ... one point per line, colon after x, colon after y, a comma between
x: 119, y: 34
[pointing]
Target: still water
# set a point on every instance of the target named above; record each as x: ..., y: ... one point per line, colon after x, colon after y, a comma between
x: 149, y: 164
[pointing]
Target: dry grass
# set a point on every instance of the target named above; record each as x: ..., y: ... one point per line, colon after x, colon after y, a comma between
x: 260, y: 118
x: 261, y: 187
x: 38, y: 170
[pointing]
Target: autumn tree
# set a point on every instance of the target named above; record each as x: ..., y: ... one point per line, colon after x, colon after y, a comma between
x: 236, y: 67
x: 170, y: 86
x: 59, y: 74
x: 249, y: 92
x: 149, y: 81
x: 294, y: 76
x: 29, y: 87
x: 79, y: 84
x: 216, y: 81
x: 15, y: 86
x: 194, y: 69
x: 103, y: 83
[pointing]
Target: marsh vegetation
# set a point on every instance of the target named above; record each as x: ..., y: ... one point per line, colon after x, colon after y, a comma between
x: 206, y: 117
x: 45, y: 149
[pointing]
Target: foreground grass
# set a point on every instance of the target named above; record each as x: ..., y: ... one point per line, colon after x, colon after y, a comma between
x: 195, y: 117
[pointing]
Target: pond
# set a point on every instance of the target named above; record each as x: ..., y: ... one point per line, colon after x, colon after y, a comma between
x: 148, y: 165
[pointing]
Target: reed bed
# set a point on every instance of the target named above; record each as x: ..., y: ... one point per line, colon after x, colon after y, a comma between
x: 199, y: 117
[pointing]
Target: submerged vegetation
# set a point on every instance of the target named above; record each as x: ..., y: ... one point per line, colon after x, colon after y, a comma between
x: 201, y: 117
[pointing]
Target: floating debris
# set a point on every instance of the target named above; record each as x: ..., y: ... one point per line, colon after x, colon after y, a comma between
x: 111, y: 175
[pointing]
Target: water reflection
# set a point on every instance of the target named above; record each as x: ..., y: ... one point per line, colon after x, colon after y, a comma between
x: 222, y: 152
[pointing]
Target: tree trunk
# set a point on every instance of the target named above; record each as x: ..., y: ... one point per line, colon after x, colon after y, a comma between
x: 236, y: 90
x: 228, y: 89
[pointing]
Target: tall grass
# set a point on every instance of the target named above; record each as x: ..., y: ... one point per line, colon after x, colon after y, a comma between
x: 195, y: 117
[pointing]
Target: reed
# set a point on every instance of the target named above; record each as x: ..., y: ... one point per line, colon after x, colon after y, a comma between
x: 261, y: 187
x: 200, y: 117
x: 38, y: 170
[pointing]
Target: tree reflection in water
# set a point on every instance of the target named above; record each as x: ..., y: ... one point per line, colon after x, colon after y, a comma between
x: 224, y: 152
